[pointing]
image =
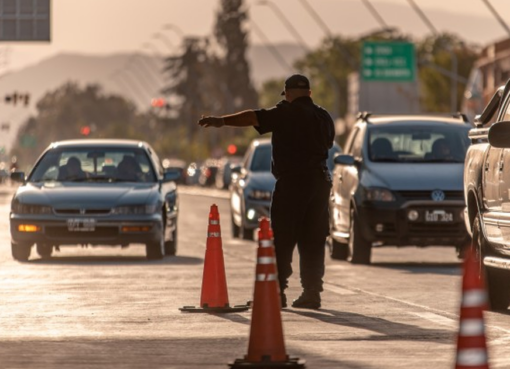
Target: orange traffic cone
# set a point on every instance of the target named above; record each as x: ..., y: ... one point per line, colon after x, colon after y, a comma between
x: 266, y: 348
x: 471, y: 344
x: 214, y: 297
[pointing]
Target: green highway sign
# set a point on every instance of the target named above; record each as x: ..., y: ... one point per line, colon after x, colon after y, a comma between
x: 389, y: 61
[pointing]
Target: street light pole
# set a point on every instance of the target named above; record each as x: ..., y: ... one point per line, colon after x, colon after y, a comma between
x: 273, y: 50
x: 297, y: 36
x: 375, y: 13
x: 453, y: 56
x: 497, y: 16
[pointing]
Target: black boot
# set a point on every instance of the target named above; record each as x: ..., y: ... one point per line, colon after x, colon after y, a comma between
x: 309, y: 299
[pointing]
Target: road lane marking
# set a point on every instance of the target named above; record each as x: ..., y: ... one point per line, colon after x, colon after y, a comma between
x: 338, y: 290
x: 438, y: 319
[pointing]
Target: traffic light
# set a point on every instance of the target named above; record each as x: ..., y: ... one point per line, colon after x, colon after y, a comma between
x: 85, y: 130
x: 232, y: 149
x: 160, y: 103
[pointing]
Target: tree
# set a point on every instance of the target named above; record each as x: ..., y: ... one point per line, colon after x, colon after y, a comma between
x: 234, y: 68
x: 435, y: 59
x: 63, y: 113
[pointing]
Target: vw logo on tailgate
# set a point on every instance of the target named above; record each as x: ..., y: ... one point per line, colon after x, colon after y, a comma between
x: 437, y: 195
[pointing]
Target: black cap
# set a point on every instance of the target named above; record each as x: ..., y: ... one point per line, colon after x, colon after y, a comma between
x: 296, y: 81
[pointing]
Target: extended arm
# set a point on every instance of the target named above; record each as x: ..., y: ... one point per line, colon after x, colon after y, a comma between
x: 245, y: 118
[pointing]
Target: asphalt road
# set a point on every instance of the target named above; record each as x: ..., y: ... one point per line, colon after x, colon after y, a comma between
x: 110, y: 308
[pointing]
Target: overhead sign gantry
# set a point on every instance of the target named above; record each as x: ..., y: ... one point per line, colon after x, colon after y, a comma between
x: 25, y: 20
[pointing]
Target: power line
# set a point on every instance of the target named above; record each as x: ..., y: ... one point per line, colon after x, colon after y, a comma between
x: 497, y: 16
x: 375, y: 13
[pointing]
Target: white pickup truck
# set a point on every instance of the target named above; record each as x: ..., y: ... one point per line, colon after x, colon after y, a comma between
x: 487, y: 194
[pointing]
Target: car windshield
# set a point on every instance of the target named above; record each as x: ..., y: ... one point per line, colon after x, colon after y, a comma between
x: 418, y: 143
x: 261, y: 161
x: 93, y: 164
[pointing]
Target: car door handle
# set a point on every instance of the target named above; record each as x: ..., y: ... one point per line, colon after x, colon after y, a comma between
x: 501, y: 166
x: 340, y: 178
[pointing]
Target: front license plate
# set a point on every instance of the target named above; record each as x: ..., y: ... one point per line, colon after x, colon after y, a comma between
x: 439, y: 216
x: 81, y: 225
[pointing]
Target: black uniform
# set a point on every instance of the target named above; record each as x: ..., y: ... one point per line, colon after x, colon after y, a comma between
x: 302, y: 134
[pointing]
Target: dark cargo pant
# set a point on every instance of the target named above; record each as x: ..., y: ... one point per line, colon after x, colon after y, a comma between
x: 300, y: 215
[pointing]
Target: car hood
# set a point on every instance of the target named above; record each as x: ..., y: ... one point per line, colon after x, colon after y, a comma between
x: 263, y: 181
x: 103, y: 195
x: 414, y: 176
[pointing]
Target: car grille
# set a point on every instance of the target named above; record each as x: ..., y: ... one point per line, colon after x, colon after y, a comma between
x: 426, y: 195
x: 99, y: 232
x: 436, y: 230
x: 82, y: 211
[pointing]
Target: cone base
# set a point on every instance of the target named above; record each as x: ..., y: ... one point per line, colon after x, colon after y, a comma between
x: 224, y: 309
x: 290, y: 363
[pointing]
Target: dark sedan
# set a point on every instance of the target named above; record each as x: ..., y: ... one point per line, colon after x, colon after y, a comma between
x: 95, y: 192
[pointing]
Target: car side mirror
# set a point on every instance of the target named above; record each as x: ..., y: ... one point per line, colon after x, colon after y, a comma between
x: 171, y: 175
x: 499, y: 134
x: 235, y: 169
x: 344, y: 159
x: 18, y: 177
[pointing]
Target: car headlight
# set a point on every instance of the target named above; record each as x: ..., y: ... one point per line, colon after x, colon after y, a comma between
x: 134, y: 210
x: 259, y: 195
x: 379, y: 194
x: 19, y: 208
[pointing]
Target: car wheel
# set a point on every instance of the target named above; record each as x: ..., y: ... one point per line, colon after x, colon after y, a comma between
x: 247, y: 234
x: 236, y: 230
x: 44, y: 250
x: 171, y: 246
x: 497, y: 280
x: 156, y: 250
x: 21, y: 251
x: 360, y: 250
x: 337, y: 250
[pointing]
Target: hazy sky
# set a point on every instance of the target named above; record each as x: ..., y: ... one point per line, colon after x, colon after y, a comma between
x: 107, y: 26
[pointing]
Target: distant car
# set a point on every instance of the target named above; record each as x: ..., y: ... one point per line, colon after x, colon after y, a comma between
x: 176, y: 165
x: 95, y: 192
x: 399, y: 183
x: 251, y: 191
x: 224, y: 174
x: 192, y: 174
x: 208, y: 171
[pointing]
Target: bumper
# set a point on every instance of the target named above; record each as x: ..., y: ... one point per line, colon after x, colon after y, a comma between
x: 253, y: 210
x: 438, y: 224
x: 80, y: 231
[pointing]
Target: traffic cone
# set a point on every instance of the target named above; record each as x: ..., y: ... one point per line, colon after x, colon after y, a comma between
x: 471, y: 343
x: 266, y: 348
x: 214, y: 297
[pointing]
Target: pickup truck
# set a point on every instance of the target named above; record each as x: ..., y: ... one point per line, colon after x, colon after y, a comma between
x: 487, y: 195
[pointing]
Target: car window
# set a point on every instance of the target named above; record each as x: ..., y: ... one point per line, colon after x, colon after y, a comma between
x: 94, y: 164
x: 418, y: 143
x: 261, y: 161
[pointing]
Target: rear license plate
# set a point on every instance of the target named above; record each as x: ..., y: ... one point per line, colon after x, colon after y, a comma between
x: 81, y: 225
x: 439, y: 216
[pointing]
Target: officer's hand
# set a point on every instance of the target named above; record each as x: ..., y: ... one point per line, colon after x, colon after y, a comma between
x: 211, y: 122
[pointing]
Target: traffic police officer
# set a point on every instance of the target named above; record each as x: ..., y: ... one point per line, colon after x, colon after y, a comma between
x: 302, y: 134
